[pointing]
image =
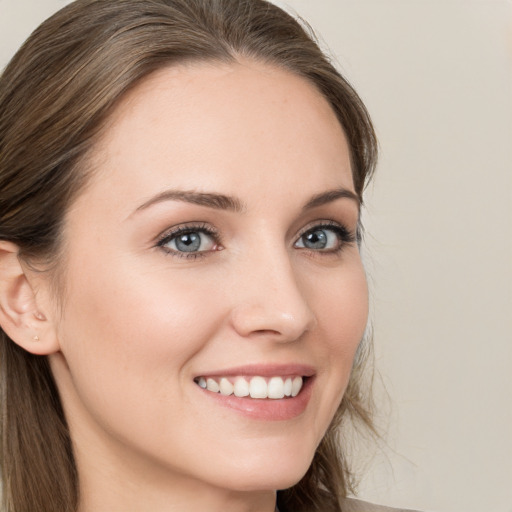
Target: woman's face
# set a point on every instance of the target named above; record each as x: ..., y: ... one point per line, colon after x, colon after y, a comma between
x: 215, y: 243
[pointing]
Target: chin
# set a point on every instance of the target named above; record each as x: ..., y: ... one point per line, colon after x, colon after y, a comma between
x: 278, y: 470
x: 267, y: 482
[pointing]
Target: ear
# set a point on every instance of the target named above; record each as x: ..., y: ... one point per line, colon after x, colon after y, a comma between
x: 21, y: 318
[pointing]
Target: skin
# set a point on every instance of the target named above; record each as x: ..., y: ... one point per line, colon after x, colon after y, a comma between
x: 138, y: 323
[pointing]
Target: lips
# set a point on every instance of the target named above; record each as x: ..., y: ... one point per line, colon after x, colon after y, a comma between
x: 257, y: 387
x: 261, y: 392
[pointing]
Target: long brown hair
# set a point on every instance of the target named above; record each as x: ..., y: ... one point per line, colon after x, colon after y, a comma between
x: 55, y: 96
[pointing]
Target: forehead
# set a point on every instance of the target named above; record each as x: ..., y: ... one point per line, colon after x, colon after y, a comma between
x: 211, y: 126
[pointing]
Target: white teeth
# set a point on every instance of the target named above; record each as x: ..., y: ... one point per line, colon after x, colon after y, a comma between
x: 296, y: 385
x: 241, y: 387
x: 211, y: 385
x: 226, y: 388
x: 276, y: 387
x: 257, y: 387
x: 288, y: 387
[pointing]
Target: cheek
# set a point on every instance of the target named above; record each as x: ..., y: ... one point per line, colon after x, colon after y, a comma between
x: 343, y: 316
x: 343, y: 310
x: 128, y: 335
x: 341, y: 306
x: 136, y: 310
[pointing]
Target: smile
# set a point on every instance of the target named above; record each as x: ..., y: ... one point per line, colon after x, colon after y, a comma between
x: 258, y: 387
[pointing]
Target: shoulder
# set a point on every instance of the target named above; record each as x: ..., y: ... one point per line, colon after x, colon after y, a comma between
x: 353, y: 505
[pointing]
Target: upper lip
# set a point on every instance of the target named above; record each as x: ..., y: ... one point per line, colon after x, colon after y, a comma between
x: 263, y: 370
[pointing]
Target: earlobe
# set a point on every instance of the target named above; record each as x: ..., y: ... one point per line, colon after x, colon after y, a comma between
x: 21, y: 318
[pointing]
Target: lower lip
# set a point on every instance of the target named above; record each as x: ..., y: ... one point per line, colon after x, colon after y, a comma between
x: 266, y: 409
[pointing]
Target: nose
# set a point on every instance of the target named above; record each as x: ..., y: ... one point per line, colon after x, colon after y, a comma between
x: 271, y: 302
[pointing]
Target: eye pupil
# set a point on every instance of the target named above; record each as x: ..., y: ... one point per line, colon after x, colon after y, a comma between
x: 188, y: 242
x: 315, y: 240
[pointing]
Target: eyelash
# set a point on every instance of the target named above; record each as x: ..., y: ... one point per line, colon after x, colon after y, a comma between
x: 345, y: 237
x: 174, y: 233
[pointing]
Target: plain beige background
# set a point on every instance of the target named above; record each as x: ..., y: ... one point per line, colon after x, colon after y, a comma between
x: 436, y: 76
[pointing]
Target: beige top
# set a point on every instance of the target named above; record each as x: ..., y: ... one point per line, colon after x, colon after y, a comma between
x: 352, y: 505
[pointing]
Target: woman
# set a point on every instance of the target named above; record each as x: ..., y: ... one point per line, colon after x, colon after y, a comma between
x: 182, y: 298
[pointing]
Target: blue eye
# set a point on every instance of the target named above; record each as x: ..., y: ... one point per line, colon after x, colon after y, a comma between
x: 189, y: 241
x: 325, y: 238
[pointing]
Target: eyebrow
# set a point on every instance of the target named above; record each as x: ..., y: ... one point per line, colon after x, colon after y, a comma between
x: 330, y: 196
x: 211, y: 200
x: 223, y: 202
